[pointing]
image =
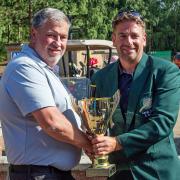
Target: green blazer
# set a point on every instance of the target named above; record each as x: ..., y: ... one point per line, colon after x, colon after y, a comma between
x: 153, y: 104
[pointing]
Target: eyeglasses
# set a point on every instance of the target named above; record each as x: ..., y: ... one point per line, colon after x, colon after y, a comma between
x: 129, y: 12
x: 123, y: 13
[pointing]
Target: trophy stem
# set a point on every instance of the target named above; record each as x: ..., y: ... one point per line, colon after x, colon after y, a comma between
x: 100, y: 161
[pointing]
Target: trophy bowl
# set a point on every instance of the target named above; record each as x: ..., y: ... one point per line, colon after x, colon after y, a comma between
x: 96, y: 114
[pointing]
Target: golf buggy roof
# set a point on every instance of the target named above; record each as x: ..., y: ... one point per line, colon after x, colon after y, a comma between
x: 74, y: 45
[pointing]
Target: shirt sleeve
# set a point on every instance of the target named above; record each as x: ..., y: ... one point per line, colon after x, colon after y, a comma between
x: 28, y: 87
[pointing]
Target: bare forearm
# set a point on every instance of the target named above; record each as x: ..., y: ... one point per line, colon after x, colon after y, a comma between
x: 70, y: 135
x: 59, y: 127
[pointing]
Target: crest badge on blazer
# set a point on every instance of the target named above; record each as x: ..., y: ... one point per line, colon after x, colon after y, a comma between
x: 146, y: 105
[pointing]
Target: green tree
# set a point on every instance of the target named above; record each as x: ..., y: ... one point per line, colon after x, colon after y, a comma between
x: 91, y: 19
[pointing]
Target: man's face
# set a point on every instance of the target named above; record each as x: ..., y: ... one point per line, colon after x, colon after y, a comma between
x: 50, y: 41
x: 177, y: 62
x: 129, y: 39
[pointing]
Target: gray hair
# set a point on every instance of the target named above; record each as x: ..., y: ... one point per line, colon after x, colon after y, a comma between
x: 46, y: 14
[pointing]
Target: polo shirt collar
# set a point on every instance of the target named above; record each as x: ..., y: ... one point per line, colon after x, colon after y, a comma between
x: 34, y: 55
x: 122, y: 71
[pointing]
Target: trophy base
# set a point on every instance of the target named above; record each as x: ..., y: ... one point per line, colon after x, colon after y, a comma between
x: 105, y: 171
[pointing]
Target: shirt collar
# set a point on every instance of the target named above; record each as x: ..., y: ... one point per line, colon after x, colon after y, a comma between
x: 34, y: 55
x: 122, y: 71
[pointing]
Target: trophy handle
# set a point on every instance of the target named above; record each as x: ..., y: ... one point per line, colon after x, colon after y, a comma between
x: 85, y: 115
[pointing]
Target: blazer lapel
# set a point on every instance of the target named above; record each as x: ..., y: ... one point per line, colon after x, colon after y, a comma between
x: 110, y: 83
x: 139, y: 79
x: 111, y: 86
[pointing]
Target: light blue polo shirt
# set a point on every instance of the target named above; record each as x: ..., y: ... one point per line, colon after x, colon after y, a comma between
x: 28, y: 84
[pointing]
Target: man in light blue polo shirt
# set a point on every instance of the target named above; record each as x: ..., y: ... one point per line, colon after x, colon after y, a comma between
x: 41, y: 130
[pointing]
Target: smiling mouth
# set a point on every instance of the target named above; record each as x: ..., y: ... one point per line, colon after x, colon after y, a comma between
x: 128, y: 50
x: 55, y: 51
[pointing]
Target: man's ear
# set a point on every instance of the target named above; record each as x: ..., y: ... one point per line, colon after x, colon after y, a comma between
x: 113, y: 38
x: 33, y: 33
x: 145, y: 39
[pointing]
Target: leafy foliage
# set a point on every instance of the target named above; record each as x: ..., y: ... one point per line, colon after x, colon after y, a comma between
x: 92, y: 19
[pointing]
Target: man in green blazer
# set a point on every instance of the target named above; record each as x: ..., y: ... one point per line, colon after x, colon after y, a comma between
x: 141, y: 142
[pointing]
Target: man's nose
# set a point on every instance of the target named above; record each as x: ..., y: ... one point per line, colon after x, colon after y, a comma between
x: 129, y: 40
x: 58, y: 41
